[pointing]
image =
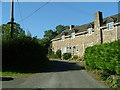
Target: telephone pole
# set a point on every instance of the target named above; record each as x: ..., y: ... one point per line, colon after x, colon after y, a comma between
x: 11, y: 18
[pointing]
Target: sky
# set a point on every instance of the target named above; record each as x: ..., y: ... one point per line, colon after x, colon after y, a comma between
x: 55, y: 13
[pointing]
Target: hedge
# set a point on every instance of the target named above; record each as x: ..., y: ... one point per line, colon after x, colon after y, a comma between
x: 23, y: 55
x: 104, y: 57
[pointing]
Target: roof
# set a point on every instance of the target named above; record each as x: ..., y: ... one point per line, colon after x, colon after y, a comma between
x: 83, y: 28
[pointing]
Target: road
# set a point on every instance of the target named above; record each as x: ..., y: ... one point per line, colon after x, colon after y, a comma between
x: 61, y: 75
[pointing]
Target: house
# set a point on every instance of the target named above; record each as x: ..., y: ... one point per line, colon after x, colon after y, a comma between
x: 76, y: 39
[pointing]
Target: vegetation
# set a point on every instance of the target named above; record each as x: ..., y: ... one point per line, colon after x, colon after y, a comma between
x: 22, y: 53
x: 66, y: 56
x: 58, y: 53
x: 14, y: 74
x: 75, y: 57
x: 50, y: 34
x: 105, y: 57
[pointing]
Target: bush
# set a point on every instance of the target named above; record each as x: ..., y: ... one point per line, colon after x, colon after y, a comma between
x: 66, y: 56
x: 80, y: 59
x: 58, y: 53
x: 104, y: 57
x: 24, y: 54
x: 75, y: 57
x: 53, y: 56
x: 114, y: 81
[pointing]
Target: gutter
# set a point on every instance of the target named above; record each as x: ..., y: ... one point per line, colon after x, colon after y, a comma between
x: 103, y: 27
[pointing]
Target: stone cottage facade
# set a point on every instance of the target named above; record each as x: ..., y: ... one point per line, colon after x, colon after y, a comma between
x: 76, y: 39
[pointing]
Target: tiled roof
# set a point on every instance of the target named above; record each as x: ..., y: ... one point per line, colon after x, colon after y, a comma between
x: 116, y: 19
x: 84, y: 27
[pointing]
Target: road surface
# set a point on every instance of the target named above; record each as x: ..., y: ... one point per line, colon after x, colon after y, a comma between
x: 61, y: 75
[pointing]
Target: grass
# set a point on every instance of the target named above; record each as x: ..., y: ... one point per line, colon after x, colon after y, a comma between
x: 13, y: 74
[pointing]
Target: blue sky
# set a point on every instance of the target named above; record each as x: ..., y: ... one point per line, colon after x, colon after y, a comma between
x: 56, y: 13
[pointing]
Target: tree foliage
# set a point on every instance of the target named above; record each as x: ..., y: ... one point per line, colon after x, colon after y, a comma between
x: 22, y: 53
x: 50, y: 34
x: 17, y: 31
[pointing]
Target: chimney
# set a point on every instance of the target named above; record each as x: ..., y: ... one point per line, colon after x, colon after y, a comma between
x: 98, y: 20
x: 71, y: 26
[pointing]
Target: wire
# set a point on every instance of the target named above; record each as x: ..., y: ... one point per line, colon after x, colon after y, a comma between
x: 35, y: 11
x: 85, y: 13
x: 20, y: 13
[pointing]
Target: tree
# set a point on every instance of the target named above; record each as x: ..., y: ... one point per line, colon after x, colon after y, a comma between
x: 17, y: 32
x: 49, y: 34
x: 61, y: 28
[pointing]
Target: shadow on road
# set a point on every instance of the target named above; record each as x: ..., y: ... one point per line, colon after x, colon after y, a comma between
x: 6, y: 78
x: 60, y: 66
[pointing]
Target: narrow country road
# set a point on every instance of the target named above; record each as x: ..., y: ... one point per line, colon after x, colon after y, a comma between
x: 63, y: 74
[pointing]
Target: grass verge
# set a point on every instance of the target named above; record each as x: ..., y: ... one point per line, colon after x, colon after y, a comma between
x: 13, y: 74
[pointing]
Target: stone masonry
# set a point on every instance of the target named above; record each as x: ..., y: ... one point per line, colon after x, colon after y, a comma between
x: 77, y: 39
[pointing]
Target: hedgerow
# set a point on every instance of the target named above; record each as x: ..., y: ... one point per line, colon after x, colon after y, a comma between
x: 24, y: 54
x: 104, y: 57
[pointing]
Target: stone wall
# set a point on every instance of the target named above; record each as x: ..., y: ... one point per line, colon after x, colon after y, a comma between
x: 80, y: 42
x: 109, y: 35
x: 118, y: 32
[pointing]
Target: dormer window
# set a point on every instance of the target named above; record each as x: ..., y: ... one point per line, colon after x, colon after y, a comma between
x: 73, y: 35
x: 89, y: 31
x: 63, y: 37
x: 110, y: 26
x: 110, y: 23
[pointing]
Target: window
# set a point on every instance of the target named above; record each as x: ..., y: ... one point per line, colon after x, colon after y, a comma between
x: 77, y: 48
x: 68, y: 49
x: 64, y: 49
x: 89, y: 45
x: 110, y: 26
x: 73, y: 35
x: 63, y: 37
x: 72, y: 52
x: 90, y: 31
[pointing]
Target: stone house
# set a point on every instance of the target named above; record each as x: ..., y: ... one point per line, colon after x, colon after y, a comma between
x: 76, y: 39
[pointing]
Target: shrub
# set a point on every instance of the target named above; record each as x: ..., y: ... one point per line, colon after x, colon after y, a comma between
x: 114, y: 81
x: 104, y: 57
x: 23, y: 55
x: 58, y: 53
x: 81, y: 59
x: 75, y: 57
x: 53, y: 56
x: 66, y: 56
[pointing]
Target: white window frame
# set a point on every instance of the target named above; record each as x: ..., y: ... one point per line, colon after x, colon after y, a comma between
x: 110, y: 26
x: 63, y: 37
x: 72, y: 35
x: 64, y: 49
x: 89, y: 45
x: 72, y: 50
x: 89, y: 31
x: 77, y: 48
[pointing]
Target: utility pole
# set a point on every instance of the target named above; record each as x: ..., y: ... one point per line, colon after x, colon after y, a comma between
x: 11, y: 18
